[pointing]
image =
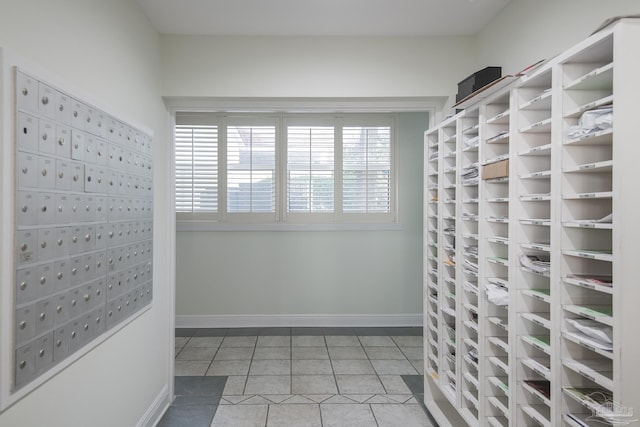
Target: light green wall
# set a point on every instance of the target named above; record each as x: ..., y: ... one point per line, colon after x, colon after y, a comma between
x: 315, y: 272
x: 312, y: 273
x: 220, y: 273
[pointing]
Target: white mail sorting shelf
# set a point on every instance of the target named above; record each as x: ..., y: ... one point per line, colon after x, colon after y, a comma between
x: 530, y: 278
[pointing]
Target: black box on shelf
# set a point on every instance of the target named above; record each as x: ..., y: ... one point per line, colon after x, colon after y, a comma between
x: 477, y: 80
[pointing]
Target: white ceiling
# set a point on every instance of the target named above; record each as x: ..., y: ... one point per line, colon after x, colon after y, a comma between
x: 321, y: 17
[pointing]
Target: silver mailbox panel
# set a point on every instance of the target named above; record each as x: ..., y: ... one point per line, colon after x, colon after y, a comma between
x: 82, y: 228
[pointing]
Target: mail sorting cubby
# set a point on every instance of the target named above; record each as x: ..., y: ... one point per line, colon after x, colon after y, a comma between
x: 83, y: 229
x: 588, y: 202
x: 532, y: 168
x: 495, y: 355
x: 493, y: 235
x: 432, y: 282
x: 564, y: 351
x: 469, y: 141
x: 447, y: 264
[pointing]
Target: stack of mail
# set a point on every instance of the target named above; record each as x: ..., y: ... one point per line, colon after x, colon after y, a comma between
x: 469, y: 216
x: 537, y: 263
x: 470, y: 266
x: 470, y: 174
x: 472, y: 250
x: 471, y: 141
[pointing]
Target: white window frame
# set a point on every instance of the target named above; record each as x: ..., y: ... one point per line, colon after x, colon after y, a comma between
x: 281, y: 122
x: 214, y: 106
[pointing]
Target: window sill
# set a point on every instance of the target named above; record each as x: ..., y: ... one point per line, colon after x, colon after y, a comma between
x: 186, y: 226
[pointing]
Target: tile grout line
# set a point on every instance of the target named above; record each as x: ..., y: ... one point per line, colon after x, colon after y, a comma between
x: 374, y: 415
x: 253, y: 354
x: 213, y: 358
x: 291, y: 365
x: 333, y: 372
x: 266, y: 419
x: 325, y: 347
x: 374, y: 370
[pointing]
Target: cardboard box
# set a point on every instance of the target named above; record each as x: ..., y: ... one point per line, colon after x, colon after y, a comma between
x: 496, y: 170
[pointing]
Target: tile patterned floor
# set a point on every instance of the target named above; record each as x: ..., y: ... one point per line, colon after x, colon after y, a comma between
x: 298, y: 377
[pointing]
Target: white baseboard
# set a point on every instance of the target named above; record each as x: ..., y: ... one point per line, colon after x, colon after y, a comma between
x: 154, y: 412
x: 298, y: 320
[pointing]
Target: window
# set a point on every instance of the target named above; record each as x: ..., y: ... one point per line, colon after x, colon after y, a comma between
x: 310, y: 169
x: 251, y: 168
x: 285, y: 168
x: 196, y: 157
x: 366, y: 170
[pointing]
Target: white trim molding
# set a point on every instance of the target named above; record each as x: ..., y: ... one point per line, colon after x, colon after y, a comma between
x: 219, y: 226
x: 432, y: 104
x: 156, y: 410
x: 298, y: 320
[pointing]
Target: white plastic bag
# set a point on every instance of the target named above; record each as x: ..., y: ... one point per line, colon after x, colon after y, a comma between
x: 592, y: 121
x: 497, y: 294
x: 595, y: 330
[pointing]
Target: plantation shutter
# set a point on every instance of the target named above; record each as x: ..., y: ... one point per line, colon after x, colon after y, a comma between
x: 251, y: 168
x: 366, y: 170
x: 196, y: 163
x: 310, y: 169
